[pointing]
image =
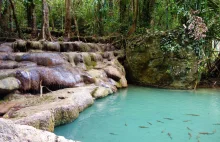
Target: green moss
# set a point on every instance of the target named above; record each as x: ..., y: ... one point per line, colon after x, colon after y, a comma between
x: 87, y: 59
x: 36, y: 45
x: 93, y: 63
x: 84, y: 47
x: 147, y: 64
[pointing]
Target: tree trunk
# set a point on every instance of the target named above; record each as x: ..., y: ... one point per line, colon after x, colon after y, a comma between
x: 33, y: 20
x: 147, y: 12
x: 167, y: 15
x: 4, y: 15
x: 68, y: 18
x: 15, y: 18
x: 45, y: 31
x: 0, y: 9
x: 134, y: 25
x: 110, y: 3
x: 52, y: 24
x: 76, y: 24
x: 99, y: 18
x: 28, y: 11
x: 10, y: 20
x: 122, y: 16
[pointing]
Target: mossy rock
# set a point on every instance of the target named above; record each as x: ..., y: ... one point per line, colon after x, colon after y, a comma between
x: 20, y: 45
x: 87, y: 59
x: 148, y: 65
x: 35, y: 45
x: 84, y: 47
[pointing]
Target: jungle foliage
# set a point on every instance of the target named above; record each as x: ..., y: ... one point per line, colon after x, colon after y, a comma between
x: 108, y: 17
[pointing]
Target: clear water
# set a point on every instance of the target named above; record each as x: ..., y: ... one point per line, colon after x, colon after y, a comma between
x: 117, y: 118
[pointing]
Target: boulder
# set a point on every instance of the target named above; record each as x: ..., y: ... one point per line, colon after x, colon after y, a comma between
x: 96, y: 57
x: 52, y: 46
x: 108, y: 55
x: 7, y: 73
x: 34, y: 45
x: 20, y: 45
x: 101, y: 92
x: 148, y: 65
x: 8, y: 85
x: 94, y: 47
x: 83, y: 47
x: 10, y: 132
x: 107, y: 83
x: 69, y: 47
x: 123, y: 82
x: 113, y: 73
x: 6, y: 47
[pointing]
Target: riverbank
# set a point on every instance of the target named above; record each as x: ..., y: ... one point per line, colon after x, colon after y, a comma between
x: 47, y: 84
x: 48, y: 111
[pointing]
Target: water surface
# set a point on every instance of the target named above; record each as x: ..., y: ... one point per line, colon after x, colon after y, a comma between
x: 139, y: 114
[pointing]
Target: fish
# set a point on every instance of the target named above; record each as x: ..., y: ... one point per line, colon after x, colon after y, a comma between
x: 169, y: 136
x: 190, y: 135
x: 193, y: 114
x: 216, y: 124
x: 160, y: 121
x: 112, y: 134
x: 163, y: 131
x: 149, y: 123
x: 205, y: 133
x: 189, y: 128
x: 168, y: 118
x: 143, y: 127
x: 126, y: 124
x: 186, y: 120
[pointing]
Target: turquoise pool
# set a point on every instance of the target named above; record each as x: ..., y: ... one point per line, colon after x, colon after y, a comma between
x: 139, y: 114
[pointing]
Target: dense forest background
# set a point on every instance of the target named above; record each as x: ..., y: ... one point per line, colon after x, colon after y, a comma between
x: 105, y: 17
